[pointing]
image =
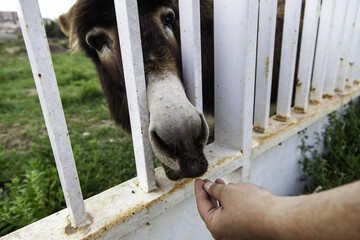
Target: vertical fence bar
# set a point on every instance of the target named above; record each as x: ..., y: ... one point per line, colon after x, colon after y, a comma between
x: 264, y: 66
x: 354, y: 60
x: 334, y: 61
x: 309, y: 33
x: 190, y: 31
x: 321, y: 55
x: 132, y: 58
x: 288, y: 58
x: 346, y: 42
x: 34, y: 35
x: 348, y: 39
x: 235, y: 55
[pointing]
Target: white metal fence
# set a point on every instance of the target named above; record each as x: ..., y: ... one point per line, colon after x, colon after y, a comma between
x: 244, y: 34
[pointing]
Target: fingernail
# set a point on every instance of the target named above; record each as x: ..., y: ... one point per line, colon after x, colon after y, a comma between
x: 207, y: 185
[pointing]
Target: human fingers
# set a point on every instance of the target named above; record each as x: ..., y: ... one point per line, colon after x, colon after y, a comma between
x: 214, y: 190
x: 213, y: 200
x: 203, y: 201
x: 219, y: 181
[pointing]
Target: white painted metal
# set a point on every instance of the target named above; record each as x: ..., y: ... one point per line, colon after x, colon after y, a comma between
x: 190, y: 31
x: 334, y: 61
x: 34, y: 35
x: 131, y: 53
x: 306, y: 58
x: 288, y: 58
x: 264, y: 65
x: 235, y: 53
x: 354, y: 48
x: 346, y: 42
x: 321, y: 55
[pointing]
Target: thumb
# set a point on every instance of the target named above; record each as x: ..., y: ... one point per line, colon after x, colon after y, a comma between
x: 215, y: 190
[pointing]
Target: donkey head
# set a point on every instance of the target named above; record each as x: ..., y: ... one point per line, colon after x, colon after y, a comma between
x: 178, y: 131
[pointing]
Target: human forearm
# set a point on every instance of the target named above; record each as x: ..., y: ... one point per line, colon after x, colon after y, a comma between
x: 332, y: 214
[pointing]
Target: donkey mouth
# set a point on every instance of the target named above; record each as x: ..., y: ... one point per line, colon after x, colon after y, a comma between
x: 182, y: 159
x: 197, y: 167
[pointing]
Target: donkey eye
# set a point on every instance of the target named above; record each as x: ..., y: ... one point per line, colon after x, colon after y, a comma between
x: 98, y: 41
x: 169, y: 18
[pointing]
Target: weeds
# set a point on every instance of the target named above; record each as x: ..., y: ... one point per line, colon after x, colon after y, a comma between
x: 340, y: 164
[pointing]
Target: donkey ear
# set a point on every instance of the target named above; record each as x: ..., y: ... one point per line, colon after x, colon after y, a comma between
x: 66, y: 22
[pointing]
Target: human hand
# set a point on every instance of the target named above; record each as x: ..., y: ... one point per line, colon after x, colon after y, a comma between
x: 243, y: 212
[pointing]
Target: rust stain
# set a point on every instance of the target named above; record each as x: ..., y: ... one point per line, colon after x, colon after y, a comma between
x: 259, y: 129
x: 298, y: 82
x: 222, y: 161
x: 267, y: 67
x: 314, y: 102
x: 299, y: 109
x: 347, y: 86
x: 281, y: 118
x: 356, y: 82
x: 329, y: 96
x: 312, y: 89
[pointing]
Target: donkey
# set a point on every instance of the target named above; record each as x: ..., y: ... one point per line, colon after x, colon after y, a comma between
x: 178, y: 132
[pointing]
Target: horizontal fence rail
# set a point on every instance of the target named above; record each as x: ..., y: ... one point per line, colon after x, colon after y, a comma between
x: 328, y: 63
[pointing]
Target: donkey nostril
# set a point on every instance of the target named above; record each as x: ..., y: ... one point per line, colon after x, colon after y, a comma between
x: 160, y: 144
x: 204, y: 133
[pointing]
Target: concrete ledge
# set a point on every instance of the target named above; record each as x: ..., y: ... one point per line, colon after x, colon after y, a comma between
x: 122, y: 209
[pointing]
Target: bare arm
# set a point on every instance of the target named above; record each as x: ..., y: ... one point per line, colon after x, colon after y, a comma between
x: 250, y: 212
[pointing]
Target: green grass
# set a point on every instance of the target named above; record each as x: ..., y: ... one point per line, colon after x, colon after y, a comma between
x: 29, y: 183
